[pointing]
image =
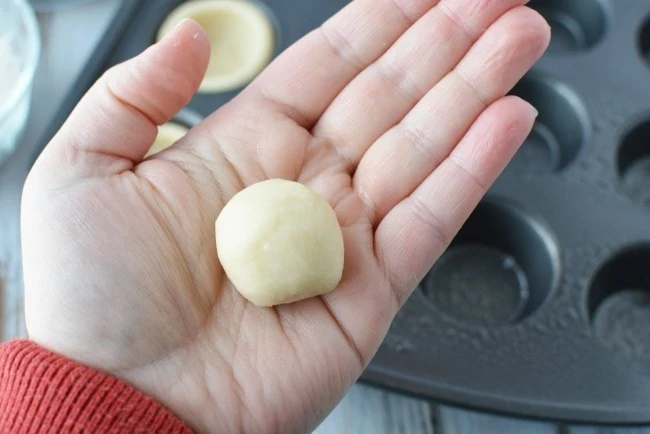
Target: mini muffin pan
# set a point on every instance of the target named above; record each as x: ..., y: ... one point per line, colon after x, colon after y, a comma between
x: 541, y: 305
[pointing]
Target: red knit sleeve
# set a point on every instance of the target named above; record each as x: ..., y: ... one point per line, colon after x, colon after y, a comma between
x: 42, y: 392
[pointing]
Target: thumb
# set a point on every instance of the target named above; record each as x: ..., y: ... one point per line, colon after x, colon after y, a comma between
x: 115, y: 123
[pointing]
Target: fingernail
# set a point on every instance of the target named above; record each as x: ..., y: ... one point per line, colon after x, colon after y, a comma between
x: 534, y: 110
x: 198, y: 31
x: 171, y: 33
x: 180, y: 24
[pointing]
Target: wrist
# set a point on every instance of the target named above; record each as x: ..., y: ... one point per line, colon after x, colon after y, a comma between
x: 47, y: 390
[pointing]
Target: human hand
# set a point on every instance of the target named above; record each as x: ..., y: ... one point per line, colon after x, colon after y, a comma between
x: 394, y: 111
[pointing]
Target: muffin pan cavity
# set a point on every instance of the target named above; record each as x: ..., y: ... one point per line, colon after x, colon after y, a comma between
x: 633, y: 162
x: 174, y: 130
x: 576, y: 25
x: 241, y: 35
x: 500, y: 268
x: 560, y: 129
x: 168, y: 134
x: 539, y: 308
x: 619, y: 307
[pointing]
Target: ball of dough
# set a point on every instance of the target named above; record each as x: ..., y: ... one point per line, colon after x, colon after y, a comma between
x: 279, y: 242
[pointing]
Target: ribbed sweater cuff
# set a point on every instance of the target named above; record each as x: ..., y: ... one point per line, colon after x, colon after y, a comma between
x: 42, y: 392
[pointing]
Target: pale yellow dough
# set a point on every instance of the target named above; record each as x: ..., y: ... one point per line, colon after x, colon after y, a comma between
x: 280, y: 242
x: 241, y: 36
x: 167, y: 135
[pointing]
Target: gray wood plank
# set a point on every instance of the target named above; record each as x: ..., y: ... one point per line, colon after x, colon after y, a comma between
x: 369, y: 410
x: 458, y: 421
x: 607, y: 430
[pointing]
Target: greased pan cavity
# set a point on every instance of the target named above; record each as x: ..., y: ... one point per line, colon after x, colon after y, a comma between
x: 541, y: 306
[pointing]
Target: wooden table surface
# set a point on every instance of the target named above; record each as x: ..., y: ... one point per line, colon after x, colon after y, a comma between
x: 69, y: 36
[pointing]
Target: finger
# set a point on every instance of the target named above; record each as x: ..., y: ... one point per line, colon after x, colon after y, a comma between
x: 305, y: 79
x: 115, y: 123
x: 385, y: 92
x: 403, y: 157
x: 417, y: 231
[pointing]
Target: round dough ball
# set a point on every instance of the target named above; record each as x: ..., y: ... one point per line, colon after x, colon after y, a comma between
x: 279, y: 242
x: 168, y: 134
x: 241, y: 35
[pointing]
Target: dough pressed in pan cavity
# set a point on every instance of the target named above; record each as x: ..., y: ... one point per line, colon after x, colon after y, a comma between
x: 242, y: 40
x: 168, y: 134
x: 280, y: 242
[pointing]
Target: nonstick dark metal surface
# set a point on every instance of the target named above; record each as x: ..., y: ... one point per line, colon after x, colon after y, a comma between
x: 541, y: 306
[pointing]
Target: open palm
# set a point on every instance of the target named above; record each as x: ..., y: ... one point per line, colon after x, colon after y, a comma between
x: 394, y: 111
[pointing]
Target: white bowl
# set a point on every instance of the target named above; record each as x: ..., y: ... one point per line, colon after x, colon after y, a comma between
x: 20, y: 49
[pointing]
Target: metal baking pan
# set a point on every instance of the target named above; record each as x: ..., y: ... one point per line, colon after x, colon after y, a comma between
x: 541, y: 306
